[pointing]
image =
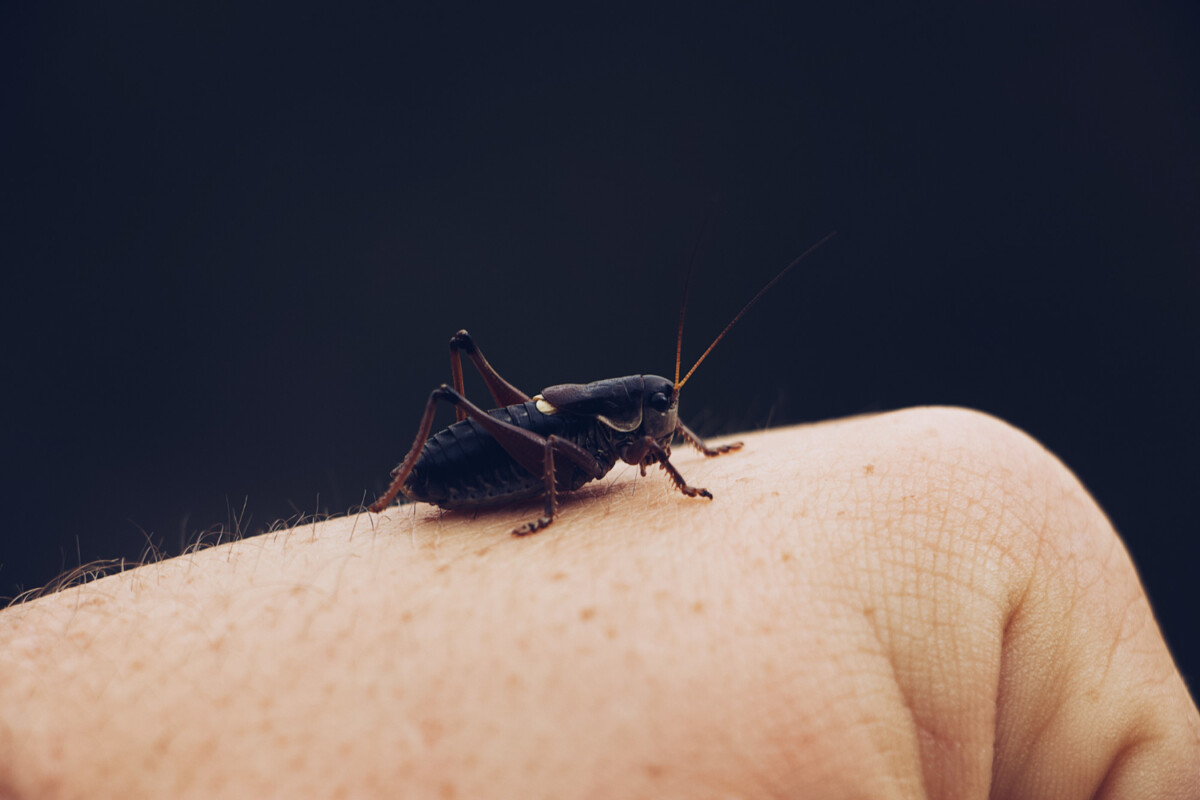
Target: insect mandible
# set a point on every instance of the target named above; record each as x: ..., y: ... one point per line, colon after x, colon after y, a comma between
x: 552, y: 442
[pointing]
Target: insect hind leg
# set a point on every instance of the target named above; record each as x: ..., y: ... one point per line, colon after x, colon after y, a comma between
x: 401, y: 472
x: 503, y: 392
x: 525, y: 447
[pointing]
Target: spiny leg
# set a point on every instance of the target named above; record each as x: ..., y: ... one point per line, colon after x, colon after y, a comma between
x: 572, y: 451
x: 659, y: 454
x: 695, y: 441
x: 551, y: 493
x: 401, y: 472
x: 503, y: 392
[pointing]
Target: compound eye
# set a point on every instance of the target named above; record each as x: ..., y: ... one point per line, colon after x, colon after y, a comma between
x: 660, y: 402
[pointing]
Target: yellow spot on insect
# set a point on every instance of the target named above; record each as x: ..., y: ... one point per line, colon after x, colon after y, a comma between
x: 543, y: 406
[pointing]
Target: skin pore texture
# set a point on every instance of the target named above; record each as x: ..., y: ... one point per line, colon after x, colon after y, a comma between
x: 917, y: 604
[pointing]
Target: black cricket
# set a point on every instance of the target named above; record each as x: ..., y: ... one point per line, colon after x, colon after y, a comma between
x: 552, y: 442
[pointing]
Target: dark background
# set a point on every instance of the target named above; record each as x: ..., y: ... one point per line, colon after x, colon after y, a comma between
x: 236, y: 242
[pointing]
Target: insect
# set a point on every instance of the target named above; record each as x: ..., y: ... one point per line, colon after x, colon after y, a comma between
x: 552, y: 442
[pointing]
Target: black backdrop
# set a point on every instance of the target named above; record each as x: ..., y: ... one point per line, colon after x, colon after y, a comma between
x: 237, y: 240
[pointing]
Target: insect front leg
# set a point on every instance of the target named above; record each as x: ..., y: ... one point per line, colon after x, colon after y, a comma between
x: 503, y: 392
x: 647, y: 447
x: 695, y: 441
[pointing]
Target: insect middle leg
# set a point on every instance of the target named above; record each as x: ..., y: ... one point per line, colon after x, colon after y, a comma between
x: 572, y: 451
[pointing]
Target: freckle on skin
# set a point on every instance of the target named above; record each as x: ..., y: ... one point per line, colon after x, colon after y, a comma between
x: 786, y: 557
x: 558, y: 576
x: 586, y: 613
x: 698, y: 607
x: 431, y: 731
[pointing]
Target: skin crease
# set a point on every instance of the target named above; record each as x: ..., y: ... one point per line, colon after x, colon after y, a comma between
x: 917, y: 604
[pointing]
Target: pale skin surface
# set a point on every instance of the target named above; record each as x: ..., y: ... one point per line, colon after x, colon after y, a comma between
x: 919, y: 604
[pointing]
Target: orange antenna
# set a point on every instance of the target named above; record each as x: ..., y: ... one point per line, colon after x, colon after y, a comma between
x: 679, y: 337
x: 686, y: 283
x: 679, y: 383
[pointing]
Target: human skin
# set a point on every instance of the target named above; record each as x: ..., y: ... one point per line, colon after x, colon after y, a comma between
x: 917, y: 604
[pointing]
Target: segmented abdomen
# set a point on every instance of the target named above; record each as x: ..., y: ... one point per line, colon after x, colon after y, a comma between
x: 462, y: 466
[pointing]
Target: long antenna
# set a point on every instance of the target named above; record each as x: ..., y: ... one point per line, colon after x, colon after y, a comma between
x: 679, y: 383
x: 687, y: 282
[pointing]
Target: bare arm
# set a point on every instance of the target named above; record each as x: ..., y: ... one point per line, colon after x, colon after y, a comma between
x: 920, y: 604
